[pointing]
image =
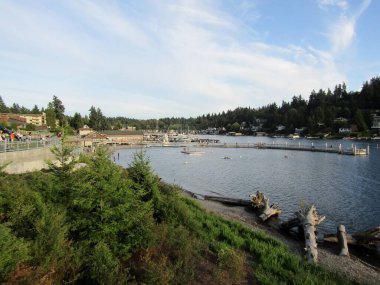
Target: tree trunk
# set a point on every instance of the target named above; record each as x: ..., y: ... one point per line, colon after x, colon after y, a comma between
x: 309, y: 220
x: 342, y: 241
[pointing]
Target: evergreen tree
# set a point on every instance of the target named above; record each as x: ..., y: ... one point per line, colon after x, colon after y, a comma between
x: 76, y: 121
x: 59, y: 110
x: 50, y: 116
x: 35, y: 110
x: 3, y: 107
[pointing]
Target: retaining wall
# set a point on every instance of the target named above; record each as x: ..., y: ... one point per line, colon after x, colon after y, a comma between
x: 26, y: 160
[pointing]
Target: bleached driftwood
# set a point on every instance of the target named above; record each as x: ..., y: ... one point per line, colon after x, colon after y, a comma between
x: 270, y: 211
x: 309, y: 220
x: 342, y: 240
x: 369, y: 239
x: 259, y: 201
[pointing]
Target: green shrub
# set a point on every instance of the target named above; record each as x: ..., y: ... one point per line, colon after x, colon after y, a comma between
x: 104, y: 266
x: 13, y: 251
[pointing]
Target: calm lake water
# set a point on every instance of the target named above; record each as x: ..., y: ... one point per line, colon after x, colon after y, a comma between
x: 346, y: 189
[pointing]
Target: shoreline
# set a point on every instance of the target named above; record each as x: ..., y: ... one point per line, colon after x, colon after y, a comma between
x: 356, y: 267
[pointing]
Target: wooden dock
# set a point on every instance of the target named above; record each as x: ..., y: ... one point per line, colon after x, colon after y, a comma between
x: 339, y: 149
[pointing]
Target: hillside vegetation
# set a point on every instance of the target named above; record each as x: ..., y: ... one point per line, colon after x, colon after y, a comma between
x: 101, y: 224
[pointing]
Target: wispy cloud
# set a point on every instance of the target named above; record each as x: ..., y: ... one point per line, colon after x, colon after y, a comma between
x: 341, y: 32
x: 156, y: 59
x: 342, y: 4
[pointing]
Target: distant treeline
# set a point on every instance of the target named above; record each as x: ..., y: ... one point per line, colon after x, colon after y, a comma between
x: 324, y: 111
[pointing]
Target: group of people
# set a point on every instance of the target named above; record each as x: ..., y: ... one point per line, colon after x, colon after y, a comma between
x: 9, y: 136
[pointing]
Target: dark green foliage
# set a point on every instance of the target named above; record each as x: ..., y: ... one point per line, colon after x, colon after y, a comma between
x: 76, y: 121
x: 13, y: 252
x: 21, y: 206
x: 97, y: 120
x: 104, y: 265
x: 104, y: 208
x: 59, y: 110
x: 3, y: 107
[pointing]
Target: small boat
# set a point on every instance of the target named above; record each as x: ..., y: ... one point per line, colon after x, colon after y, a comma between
x: 294, y: 136
x: 361, y: 151
x: 376, y: 138
x: 226, y: 157
x: 191, y: 152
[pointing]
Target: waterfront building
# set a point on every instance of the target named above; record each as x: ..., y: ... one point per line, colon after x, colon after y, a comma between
x: 35, y: 119
x: 376, y: 123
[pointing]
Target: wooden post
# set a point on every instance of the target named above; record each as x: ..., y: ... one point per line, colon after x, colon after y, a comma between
x: 342, y: 240
x: 367, y: 149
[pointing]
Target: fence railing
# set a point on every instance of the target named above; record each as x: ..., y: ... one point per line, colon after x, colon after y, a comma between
x: 7, y: 146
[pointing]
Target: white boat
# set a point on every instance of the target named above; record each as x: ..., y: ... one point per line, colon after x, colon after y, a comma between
x: 294, y: 136
x: 376, y: 138
x: 191, y: 152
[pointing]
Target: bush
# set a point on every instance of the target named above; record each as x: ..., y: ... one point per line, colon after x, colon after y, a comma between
x: 13, y: 252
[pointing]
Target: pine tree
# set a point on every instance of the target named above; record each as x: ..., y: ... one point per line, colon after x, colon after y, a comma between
x: 3, y: 107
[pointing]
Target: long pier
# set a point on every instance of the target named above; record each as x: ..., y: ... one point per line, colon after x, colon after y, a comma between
x: 299, y: 147
x: 337, y: 149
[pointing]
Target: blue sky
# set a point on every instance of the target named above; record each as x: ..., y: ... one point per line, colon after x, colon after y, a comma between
x: 160, y: 58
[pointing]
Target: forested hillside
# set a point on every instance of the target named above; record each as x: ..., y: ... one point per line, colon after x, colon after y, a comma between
x: 324, y: 111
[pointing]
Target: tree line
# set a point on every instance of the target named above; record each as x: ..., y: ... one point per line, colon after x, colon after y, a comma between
x: 324, y: 111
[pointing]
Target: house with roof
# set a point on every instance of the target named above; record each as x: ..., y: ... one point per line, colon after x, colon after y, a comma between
x: 94, y: 139
x: 84, y: 131
x: 124, y: 137
x: 13, y: 119
x: 345, y: 130
x: 375, y: 123
x: 35, y: 119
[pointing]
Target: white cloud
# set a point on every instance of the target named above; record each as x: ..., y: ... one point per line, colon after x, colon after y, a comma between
x: 341, y: 32
x: 178, y: 60
x: 342, y: 4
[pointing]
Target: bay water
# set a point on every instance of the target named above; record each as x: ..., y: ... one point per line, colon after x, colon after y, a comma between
x: 344, y: 188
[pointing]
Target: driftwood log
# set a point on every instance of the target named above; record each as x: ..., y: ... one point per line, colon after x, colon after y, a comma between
x: 228, y: 201
x: 342, y: 240
x: 369, y: 239
x: 309, y: 220
x: 260, y: 202
x: 257, y: 200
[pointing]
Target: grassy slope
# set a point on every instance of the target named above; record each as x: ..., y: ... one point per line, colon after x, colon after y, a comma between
x: 271, y: 260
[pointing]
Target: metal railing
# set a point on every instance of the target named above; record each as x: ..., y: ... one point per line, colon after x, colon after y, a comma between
x: 7, y: 146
